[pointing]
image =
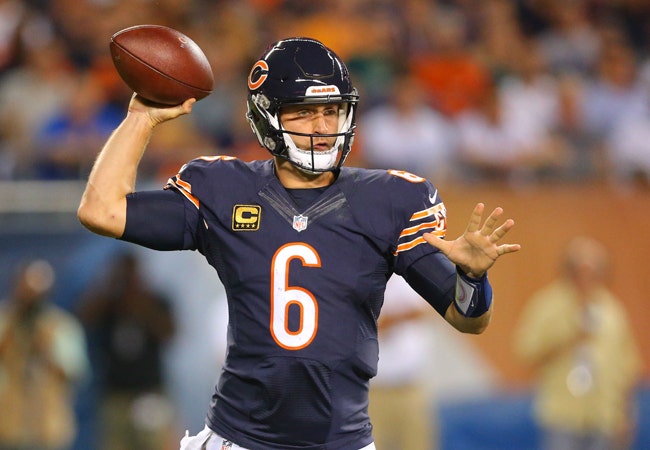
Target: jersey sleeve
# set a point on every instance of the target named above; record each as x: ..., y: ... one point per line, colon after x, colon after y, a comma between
x: 160, y: 220
x: 434, y: 278
x: 417, y: 209
x: 203, y: 178
x: 425, y: 268
x: 169, y: 219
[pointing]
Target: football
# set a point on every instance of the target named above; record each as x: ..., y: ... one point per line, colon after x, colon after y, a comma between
x: 161, y: 64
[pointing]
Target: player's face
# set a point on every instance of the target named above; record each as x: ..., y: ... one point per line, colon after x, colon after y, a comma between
x: 316, y: 119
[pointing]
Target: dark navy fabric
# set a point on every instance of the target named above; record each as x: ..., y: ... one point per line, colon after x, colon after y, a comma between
x: 305, y: 287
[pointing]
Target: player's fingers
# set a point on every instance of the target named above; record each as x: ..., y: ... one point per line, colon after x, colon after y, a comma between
x: 188, y: 104
x: 491, y: 221
x: 501, y: 231
x: 508, y: 248
x: 475, y: 218
x: 435, y: 241
x: 165, y: 113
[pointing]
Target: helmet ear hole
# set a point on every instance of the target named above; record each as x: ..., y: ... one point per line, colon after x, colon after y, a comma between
x: 265, y: 123
x: 294, y: 71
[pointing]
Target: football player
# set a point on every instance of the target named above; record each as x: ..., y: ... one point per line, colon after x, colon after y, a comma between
x: 304, y: 248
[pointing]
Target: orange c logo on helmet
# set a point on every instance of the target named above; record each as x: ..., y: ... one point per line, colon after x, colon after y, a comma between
x: 259, y: 74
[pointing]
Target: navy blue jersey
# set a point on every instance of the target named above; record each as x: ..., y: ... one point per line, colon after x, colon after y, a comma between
x: 305, y: 287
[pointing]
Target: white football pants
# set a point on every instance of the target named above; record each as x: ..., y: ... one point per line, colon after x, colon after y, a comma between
x: 209, y: 440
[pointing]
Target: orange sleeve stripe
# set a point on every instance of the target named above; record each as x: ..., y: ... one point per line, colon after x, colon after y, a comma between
x: 426, y: 213
x: 191, y: 198
x: 415, y: 229
x: 183, y: 184
x: 417, y: 241
x: 409, y: 245
x: 185, y: 188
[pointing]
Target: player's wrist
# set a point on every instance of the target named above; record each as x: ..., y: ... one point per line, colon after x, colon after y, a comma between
x: 473, y: 296
x: 470, y: 275
x: 141, y: 120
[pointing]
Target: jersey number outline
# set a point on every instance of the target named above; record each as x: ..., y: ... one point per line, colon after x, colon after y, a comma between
x: 408, y: 176
x: 284, y: 296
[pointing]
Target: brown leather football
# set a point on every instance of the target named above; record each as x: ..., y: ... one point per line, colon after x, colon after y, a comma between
x: 161, y: 64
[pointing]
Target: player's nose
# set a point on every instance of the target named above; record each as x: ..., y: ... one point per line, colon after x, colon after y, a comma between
x: 320, y: 124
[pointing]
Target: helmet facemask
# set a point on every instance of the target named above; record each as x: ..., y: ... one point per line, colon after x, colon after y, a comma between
x: 300, y: 71
x: 267, y: 126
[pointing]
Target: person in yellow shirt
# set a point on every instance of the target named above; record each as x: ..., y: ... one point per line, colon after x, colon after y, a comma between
x: 575, y: 335
x: 43, y: 358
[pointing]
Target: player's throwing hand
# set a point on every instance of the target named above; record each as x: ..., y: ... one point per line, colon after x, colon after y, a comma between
x: 157, y: 113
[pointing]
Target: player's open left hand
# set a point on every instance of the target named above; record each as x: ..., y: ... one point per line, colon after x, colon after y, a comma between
x: 476, y: 250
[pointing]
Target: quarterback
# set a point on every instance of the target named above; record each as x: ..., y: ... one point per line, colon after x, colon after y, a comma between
x: 304, y: 247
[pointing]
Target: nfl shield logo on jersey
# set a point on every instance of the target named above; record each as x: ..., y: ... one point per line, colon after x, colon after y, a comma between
x: 300, y: 222
x: 226, y: 445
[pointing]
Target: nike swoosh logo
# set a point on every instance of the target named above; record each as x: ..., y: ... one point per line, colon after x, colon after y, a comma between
x: 432, y: 197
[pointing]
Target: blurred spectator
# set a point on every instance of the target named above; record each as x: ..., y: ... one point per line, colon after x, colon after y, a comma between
x: 352, y: 19
x: 498, y: 143
x: 42, y: 358
x: 68, y: 141
x: 417, y: 32
x: 575, y: 335
x: 407, y: 134
x: 374, y: 68
x: 12, y: 14
x: 634, y: 16
x: 178, y: 142
x: 615, y: 94
x: 569, y: 127
x: 499, y: 38
x: 130, y: 324
x: 454, y: 47
x: 532, y: 15
x: 228, y: 37
x: 86, y: 26
x: 530, y: 91
x: 531, y: 101
x: 628, y: 152
x: 571, y: 42
x: 31, y: 92
x: 454, y: 77
x: 401, y: 408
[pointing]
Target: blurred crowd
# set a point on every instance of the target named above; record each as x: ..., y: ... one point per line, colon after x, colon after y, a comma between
x: 515, y: 91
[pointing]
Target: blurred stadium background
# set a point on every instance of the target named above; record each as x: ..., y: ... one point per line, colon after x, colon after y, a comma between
x: 581, y: 167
